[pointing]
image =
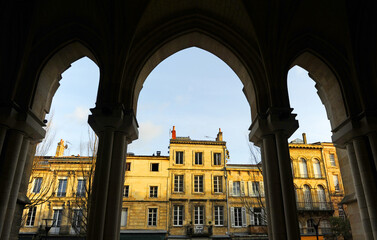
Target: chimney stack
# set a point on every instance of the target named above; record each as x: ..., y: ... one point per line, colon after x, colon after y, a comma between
x: 304, y: 138
x: 219, y: 137
x: 60, y: 149
x: 173, y: 133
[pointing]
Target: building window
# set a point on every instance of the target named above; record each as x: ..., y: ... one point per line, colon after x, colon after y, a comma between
x: 341, y: 211
x: 77, y: 219
x: 317, y: 169
x: 310, y: 226
x: 152, y: 216
x: 126, y: 191
x: 336, y: 182
x: 81, y: 185
x: 199, y: 215
x: 128, y: 166
x: 198, y: 158
x: 198, y: 184
x: 321, y: 197
x: 255, y: 189
x: 332, y: 159
x: 178, y: 215
x: 303, y: 168
x: 236, y: 189
x: 154, y: 167
x: 178, y: 157
x: 217, y: 159
x: 238, y: 216
x: 153, y: 191
x: 58, y: 213
x: 307, y: 197
x: 31, y: 216
x: 219, y: 215
x: 257, y: 217
x: 62, y: 188
x: 178, y: 183
x: 124, y: 216
x: 218, y: 184
x: 37, y: 185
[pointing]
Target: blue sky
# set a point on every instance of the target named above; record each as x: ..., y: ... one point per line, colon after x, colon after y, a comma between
x: 192, y: 90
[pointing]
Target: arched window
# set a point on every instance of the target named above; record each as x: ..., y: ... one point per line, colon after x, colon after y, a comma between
x: 303, y: 168
x: 310, y: 226
x: 321, y: 197
x: 317, y: 169
x: 325, y: 227
x: 307, y: 197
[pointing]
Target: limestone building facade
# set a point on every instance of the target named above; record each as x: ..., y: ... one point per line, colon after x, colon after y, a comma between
x: 193, y: 192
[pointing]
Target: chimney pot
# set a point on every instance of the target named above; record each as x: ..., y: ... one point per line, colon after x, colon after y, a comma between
x: 304, y: 138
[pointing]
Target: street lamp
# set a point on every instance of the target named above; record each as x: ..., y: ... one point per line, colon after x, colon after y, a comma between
x: 47, y: 226
x: 315, y: 226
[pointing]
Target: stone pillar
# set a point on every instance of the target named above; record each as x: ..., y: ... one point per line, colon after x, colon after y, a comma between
x: 272, y: 131
x: 368, y: 178
x: 358, y: 134
x: 17, y: 128
x: 115, y: 128
x: 364, y: 216
x: 15, y: 189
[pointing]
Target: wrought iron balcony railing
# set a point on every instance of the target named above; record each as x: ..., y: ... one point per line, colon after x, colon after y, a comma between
x: 314, y: 206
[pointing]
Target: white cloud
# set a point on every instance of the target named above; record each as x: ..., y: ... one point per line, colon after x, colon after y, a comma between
x: 149, y: 131
x: 80, y: 115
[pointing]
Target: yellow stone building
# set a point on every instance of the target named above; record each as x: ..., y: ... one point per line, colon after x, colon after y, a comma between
x: 193, y: 192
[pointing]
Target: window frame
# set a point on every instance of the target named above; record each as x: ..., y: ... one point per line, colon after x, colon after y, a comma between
x: 124, y: 217
x: 126, y: 189
x: 81, y: 192
x: 37, y: 185
x: 180, y: 158
x: 218, y: 185
x: 199, y: 215
x: 152, y: 217
x: 218, y: 215
x: 59, y: 192
x: 128, y: 166
x: 216, y: 160
x: 181, y: 184
x: 153, y: 191
x: 200, y: 160
x: 332, y: 159
x: 154, y: 164
x: 198, y: 184
x: 178, y: 215
x: 30, y: 220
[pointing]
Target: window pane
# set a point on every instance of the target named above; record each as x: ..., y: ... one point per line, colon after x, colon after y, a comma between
x: 62, y: 188
x: 178, y: 157
x: 123, y: 221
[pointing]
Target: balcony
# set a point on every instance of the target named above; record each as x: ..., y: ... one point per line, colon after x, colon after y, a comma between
x: 314, y: 206
x: 199, y: 230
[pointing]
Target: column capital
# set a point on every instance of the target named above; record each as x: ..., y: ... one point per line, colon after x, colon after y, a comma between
x: 115, y: 117
x: 354, y: 127
x: 13, y: 117
x: 274, y: 120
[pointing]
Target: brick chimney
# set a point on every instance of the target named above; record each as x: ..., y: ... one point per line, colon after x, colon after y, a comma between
x: 60, y: 149
x: 173, y: 133
x: 304, y: 138
x: 219, y: 137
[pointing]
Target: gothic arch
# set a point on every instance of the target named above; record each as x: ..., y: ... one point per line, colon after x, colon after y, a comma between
x: 207, y: 35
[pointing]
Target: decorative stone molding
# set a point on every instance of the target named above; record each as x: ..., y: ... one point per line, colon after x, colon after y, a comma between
x: 275, y: 119
x: 115, y: 117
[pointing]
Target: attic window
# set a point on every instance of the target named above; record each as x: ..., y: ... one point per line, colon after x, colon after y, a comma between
x: 154, y: 167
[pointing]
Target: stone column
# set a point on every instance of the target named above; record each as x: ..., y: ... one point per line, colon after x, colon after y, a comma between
x: 15, y: 189
x: 273, y: 130
x: 364, y: 216
x: 17, y: 128
x: 115, y: 128
x: 368, y: 178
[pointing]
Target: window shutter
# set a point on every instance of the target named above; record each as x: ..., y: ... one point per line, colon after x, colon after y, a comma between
x: 252, y: 216
x: 250, y: 188
x: 242, y: 188
x: 230, y: 188
x: 244, y: 223
x: 232, y: 216
x: 264, y: 217
x: 261, y: 188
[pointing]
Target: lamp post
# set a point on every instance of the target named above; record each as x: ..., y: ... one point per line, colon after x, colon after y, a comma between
x: 47, y: 226
x: 315, y: 226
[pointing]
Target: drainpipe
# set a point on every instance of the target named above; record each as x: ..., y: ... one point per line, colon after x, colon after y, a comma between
x: 226, y: 194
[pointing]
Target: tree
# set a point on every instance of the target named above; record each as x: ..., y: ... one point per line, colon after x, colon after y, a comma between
x: 79, y: 208
x: 41, y: 183
x: 340, y: 228
x: 255, y: 203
